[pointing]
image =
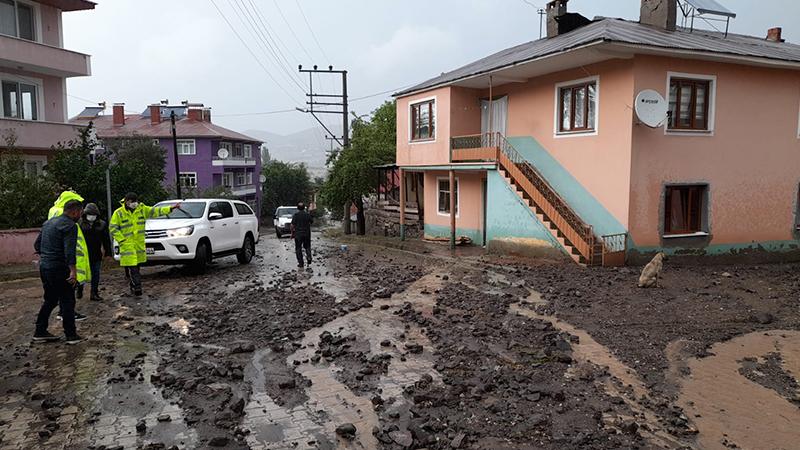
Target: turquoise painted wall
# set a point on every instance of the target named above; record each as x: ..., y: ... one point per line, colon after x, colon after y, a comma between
x: 508, y: 216
x: 444, y: 231
x: 582, y: 201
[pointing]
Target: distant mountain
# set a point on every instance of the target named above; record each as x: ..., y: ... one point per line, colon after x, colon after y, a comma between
x: 306, y: 146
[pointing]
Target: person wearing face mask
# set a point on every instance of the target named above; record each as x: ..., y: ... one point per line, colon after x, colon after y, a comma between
x: 56, y: 246
x: 127, y: 228
x: 95, y: 231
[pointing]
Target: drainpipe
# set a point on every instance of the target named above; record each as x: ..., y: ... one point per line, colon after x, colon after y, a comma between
x: 402, y: 203
x: 491, y: 108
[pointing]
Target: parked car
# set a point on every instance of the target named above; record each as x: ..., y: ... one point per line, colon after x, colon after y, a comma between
x: 201, y: 230
x: 283, y: 220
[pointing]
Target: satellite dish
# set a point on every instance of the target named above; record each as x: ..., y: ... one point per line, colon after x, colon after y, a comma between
x: 222, y: 153
x: 651, y: 108
x: 262, y: 178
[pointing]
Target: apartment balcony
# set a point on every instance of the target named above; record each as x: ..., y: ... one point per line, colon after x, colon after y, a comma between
x: 37, y: 134
x: 233, y: 161
x: 246, y: 189
x: 21, y: 54
x: 476, y: 147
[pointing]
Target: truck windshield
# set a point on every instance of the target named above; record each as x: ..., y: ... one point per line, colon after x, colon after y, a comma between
x: 285, y: 212
x: 188, y: 210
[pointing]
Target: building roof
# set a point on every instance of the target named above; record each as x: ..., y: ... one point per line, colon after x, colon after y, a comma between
x: 136, y: 124
x: 627, y: 33
x: 69, y: 5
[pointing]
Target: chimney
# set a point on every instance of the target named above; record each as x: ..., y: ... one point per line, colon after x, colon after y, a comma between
x: 659, y: 13
x: 774, y: 34
x: 119, y: 114
x: 555, y: 8
x: 155, y: 114
x: 195, y: 114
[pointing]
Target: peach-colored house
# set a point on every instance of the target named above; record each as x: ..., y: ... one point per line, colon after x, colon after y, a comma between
x: 538, y: 149
x: 34, y: 67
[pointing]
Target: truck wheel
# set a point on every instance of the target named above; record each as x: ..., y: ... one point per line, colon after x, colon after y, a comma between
x: 247, y: 252
x: 278, y: 232
x: 200, y: 259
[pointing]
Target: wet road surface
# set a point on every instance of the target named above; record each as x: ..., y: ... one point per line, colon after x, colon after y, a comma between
x: 374, y: 348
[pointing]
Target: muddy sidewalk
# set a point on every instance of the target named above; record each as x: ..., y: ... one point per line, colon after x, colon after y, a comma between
x: 377, y: 348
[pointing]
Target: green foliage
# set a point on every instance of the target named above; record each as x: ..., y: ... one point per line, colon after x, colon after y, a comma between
x: 286, y: 184
x: 351, y: 170
x: 136, y: 164
x: 25, y: 198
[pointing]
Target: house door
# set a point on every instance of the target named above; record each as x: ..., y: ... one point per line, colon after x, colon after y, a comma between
x: 499, y: 113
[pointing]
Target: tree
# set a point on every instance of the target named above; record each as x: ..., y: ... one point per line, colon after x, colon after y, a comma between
x: 25, y: 197
x: 135, y: 163
x: 284, y: 184
x: 351, y: 173
x: 265, y: 156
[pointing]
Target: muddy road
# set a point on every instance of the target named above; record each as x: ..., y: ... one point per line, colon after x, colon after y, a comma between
x: 372, y: 348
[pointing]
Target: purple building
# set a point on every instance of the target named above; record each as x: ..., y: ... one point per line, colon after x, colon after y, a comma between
x: 199, y: 144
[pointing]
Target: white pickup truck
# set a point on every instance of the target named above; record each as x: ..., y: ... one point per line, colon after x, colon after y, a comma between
x: 199, y: 231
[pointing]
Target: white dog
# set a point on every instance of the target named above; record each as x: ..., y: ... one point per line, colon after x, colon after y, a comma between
x: 651, y: 272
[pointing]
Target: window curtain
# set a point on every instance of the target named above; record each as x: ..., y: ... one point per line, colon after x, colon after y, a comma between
x: 499, y: 115
x: 677, y: 220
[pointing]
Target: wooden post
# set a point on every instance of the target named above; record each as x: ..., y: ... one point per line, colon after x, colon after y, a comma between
x: 452, y: 209
x: 402, y: 204
x: 346, y: 219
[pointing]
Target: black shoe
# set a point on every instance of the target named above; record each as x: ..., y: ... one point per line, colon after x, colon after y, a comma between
x: 96, y: 297
x: 300, y: 266
x: 72, y: 340
x: 45, y: 337
x: 78, y: 317
x: 309, y: 262
x: 79, y: 292
x: 137, y: 292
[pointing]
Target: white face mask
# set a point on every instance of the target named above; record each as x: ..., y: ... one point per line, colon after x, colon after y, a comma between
x: 91, y: 218
x: 133, y: 205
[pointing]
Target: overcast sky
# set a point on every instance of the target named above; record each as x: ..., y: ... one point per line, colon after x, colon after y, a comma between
x: 144, y: 51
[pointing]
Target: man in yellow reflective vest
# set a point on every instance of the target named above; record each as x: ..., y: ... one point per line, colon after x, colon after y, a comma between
x: 127, y: 229
x: 81, y: 251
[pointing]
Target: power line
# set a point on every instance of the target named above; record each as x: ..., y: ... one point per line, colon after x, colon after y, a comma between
x: 251, y: 52
x: 261, y: 40
x: 311, y: 30
x: 380, y: 93
x: 264, y: 113
x: 291, y: 30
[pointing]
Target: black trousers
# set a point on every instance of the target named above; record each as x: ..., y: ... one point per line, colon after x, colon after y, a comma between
x: 302, y: 242
x: 134, y: 276
x: 57, y: 292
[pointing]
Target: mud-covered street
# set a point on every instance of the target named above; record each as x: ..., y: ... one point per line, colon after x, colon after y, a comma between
x: 375, y: 348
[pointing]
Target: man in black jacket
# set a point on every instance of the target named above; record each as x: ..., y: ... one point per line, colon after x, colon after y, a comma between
x: 301, y: 232
x: 56, y: 248
x: 98, y: 243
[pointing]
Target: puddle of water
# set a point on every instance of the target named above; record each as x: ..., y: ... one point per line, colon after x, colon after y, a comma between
x: 725, y: 405
x: 122, y: 405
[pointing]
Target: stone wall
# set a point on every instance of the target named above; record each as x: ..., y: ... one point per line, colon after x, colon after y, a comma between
x: 382, y: 222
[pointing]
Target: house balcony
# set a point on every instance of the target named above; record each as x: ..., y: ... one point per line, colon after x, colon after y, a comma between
x: 37, y: 134
x: 22, y: 54
x: 233, y: 161
x: 475, y: 147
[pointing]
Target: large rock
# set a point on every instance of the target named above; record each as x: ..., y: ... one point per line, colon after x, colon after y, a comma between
x: 347, y: 430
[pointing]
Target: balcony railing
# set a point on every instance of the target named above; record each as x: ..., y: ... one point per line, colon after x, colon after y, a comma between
x: 43, y: 58
x: 233, y: 161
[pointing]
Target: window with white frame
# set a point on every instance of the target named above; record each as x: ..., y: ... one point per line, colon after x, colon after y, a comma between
x: 20, y: 99
x: 576, y: 106
x: 249, y: 177
x: 248, y: 151
x: 237, y: 150
x: 188, y: 179
x: 444, y: 196
x: 227, y: 179
x: 227, y: 146
x: 18, y: 19
x: 186, y: 147
x: 241, y: 179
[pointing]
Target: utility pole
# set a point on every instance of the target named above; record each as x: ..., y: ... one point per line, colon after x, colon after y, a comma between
x: 330, y: 106
x: 175, y: 153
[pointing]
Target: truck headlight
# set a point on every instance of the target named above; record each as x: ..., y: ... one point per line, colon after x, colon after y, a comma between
x: 180, y: 232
